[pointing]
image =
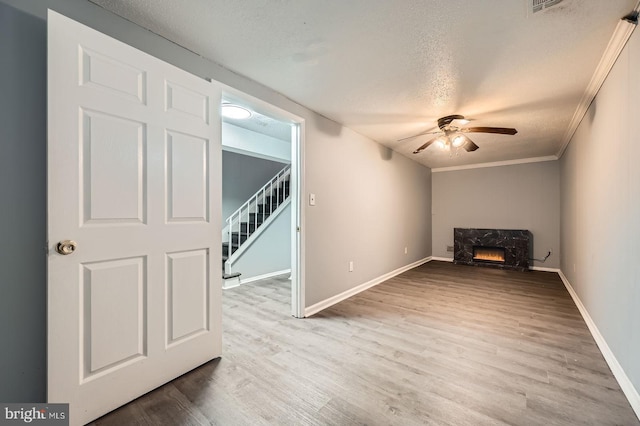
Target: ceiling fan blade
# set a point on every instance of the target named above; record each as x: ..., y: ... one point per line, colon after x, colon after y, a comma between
x: 469, y: 145
x: 424, y: 146
x: 446, y: 121
x: 428, y: 132
x: 498, y: 130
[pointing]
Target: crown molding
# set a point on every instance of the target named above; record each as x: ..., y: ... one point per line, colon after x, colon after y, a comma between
x: 620, y: 37
x: 495, y: 164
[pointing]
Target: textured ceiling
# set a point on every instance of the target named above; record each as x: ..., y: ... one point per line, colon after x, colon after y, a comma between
x: 389, y: 69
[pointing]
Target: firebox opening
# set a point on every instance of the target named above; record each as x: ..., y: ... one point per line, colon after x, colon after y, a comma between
x: 488, y: 254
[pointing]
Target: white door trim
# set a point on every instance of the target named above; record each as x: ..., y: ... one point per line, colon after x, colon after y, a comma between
x: 297, y: 189
x: 298, y: 221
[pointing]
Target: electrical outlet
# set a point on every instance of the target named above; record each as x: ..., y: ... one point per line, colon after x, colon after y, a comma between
x: 351, y: 266
x: 406, y: 250
x: 450, y: 248
x: 312, y: 199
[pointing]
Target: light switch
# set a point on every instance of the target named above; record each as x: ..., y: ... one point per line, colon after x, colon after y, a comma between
x: 312, y: 199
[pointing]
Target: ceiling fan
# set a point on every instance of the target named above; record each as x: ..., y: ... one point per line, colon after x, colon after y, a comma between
x: 453, y: 137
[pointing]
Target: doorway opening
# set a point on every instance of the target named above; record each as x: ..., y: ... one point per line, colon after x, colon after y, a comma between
x: 261, y: 187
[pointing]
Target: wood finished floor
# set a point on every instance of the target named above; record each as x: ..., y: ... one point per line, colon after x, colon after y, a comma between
x: 441, y: 344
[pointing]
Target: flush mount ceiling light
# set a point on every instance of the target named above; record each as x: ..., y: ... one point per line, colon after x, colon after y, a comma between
x: 235, y: 111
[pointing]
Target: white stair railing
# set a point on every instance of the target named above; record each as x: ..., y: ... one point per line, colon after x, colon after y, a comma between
x: 273, y: 188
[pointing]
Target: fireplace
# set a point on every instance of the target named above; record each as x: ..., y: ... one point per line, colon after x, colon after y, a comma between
x: 488, y: 254
x: 498, y: 248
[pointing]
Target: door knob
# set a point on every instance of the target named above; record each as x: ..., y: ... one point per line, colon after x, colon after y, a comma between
x: 66, y: 247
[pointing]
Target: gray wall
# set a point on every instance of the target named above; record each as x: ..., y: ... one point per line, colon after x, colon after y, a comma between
x: 371, y: 202
x: 271, y: 252
x: 600, y: 213
x: 242, y: 176
x: 519, y: 196
x: 23, y: 109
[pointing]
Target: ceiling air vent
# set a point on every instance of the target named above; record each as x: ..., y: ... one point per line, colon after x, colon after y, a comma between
x: 540, y: 5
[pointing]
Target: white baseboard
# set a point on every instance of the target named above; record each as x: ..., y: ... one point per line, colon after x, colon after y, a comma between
x: 544, y: 269
x: 623, y: 380
x: 534, y: 268
x: 264, y: 276
x: 314, y: 309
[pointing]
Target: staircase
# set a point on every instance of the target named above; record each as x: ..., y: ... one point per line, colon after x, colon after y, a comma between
x: 243, y: 225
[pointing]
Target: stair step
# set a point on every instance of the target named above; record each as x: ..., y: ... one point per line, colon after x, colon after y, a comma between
x: 237, y: 237
x: 265, y: 207
x: 248, y: 227
x: 282, y: 191
x: 275, y: 199
x: 229, y: 276
x: 225, y: 249
x: 258, y: 217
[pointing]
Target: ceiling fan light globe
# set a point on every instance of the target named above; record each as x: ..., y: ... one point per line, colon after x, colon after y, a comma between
x: 458, y: 141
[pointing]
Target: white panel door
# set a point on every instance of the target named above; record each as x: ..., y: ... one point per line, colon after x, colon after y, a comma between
x: 134, y: 180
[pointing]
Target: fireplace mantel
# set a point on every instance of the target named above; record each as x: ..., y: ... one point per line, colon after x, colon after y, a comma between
x: 515, y: 242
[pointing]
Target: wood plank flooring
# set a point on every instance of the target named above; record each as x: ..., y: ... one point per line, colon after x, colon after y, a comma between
x: 441, y: 344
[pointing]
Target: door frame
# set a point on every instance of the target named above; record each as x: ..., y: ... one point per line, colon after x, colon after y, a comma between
x: 297, y: 192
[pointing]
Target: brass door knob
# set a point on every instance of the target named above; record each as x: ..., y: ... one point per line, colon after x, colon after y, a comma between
x: 66, y: 247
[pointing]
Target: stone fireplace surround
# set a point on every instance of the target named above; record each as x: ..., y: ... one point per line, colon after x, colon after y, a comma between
x: 515, y: 242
